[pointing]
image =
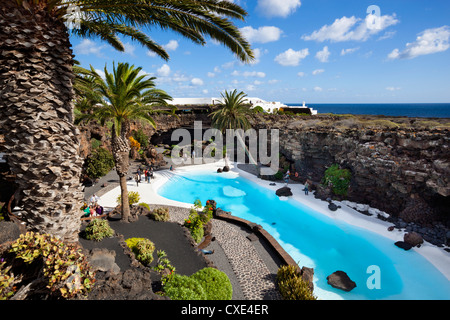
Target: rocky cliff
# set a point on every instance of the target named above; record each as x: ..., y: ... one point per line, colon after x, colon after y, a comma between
x: 398, y: 165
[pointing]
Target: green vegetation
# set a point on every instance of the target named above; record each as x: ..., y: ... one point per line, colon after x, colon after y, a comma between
x: 98, y: 229
x: 145, y: 205
x: 216, y: 284
x: 99, y: 163
x: 184, y: 288
x: 205, y: 284
x: 133, y: 198
x: 160, y: 214
x: 62, y: 268
x: 164, y: 267
x: 291, y: 284
x: 232, y: 112
x: 142, y: 138
x: 142, y: 248
x: 197, y: 219
x: 337, y: 179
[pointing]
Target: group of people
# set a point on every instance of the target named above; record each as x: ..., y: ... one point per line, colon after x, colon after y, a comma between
x: 148, y: 175
x: 93, y: 209
x: 287, y: 177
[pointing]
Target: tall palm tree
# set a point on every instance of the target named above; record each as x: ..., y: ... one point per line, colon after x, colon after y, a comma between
x: 232, y: 115
x: 36, y: 78
x: 124, y: 95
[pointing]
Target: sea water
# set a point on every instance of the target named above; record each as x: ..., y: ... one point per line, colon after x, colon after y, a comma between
x: 424, y: 110
x: 379, y: 268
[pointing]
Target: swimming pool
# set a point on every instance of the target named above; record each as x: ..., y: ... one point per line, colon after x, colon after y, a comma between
x: 318, y: 241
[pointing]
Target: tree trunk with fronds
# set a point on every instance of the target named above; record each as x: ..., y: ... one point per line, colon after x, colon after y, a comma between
x: 121, y: 150
x: 36, y: 116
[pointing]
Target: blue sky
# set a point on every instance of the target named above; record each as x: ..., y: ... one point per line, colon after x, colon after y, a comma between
x: 318, y: 51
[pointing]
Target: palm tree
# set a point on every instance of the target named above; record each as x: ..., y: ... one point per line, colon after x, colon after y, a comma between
x: 123, y: 96
x: 36, y: 86
x: 232, y: 115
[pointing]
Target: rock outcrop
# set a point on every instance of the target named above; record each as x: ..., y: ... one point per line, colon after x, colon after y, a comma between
x: 398, y: 167
x: 340, y: 280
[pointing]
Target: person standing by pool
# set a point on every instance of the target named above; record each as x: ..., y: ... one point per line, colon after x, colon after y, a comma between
x: 306, y: 188
x: 286, y: 177
x: 138, y: 179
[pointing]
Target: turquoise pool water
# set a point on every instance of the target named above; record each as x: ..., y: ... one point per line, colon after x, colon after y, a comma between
x: 315, y: 240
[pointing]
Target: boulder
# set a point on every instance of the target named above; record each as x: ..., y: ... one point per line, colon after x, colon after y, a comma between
x: 403, y: 245
x: 9, y: 231
x: 333, y: 207
x: 219, y: 170
x: 226, y: 169
x: 413, y: 238
x: 308, y: 276
x: 340, y: 280
x: 103, y: 260
x: 284, y: 192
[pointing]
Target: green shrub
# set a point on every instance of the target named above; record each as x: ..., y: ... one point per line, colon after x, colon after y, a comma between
x: 195, y: 225
x: 142, y: 248
x: 95, y: 144
x: 184, y: 288
x: 99, y: 163
x: 133, y: 198
x: 98, y: 229
x: 216, y: 284
x: 164, y: 267
x: 64, y: 268
x: 160, y: 214
x: 142, y: 138
x: 337, y: 179
x: 291, y: 284
x: 145, y: 205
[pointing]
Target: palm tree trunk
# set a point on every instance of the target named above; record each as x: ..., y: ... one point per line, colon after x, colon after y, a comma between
x: 121, y: 151
x: 36, y: 116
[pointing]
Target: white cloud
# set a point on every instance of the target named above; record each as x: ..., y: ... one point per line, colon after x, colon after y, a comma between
x: 171, y: 46
x: 197, y: 82
x: 387, y: 35
x: 393, y: 88
x: 129, y: 48
x: 89, y: 47
x: 291, y: 57
x: 211, y: 74
x: 273, y: 81
x: 151, y: 53
x: 318, y: 71
x: 348, y: 51
x: 427, y: 42
x: 350, y: 29
x: 318, y: 89
x: 258, y: 53
x: 262, y: 34
x: 301, y: 74
x: 278, y: 8
x: 101, y: 73
x: 323, y: 55
x: 164, y: 71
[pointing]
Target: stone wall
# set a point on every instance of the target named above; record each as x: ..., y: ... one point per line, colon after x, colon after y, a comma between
x: 404, y: 171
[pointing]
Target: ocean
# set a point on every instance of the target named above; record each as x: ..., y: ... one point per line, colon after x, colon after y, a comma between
x: 423, y: 110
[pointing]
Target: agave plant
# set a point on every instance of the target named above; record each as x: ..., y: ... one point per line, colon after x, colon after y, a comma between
x: 36, y: 86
